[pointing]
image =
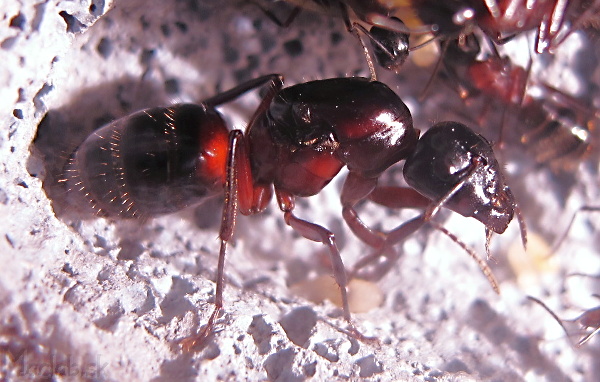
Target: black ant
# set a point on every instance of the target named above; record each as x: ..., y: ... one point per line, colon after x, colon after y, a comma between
x: 589, y: 319
x: 161, y: 160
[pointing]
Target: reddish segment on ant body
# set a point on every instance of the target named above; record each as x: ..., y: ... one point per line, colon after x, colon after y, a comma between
x: 590, y: 319
x: 163, y: 159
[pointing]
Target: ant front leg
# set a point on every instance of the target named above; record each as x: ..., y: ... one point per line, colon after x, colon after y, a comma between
x: 320, y: 234
x: 357, y: 188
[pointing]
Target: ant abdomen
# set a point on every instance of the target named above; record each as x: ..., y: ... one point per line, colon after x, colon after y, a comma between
x: 153, y: 162
x: 450, y: 153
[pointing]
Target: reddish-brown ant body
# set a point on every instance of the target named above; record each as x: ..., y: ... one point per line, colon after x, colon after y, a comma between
x: 164, y: 159
x: 555, y: 128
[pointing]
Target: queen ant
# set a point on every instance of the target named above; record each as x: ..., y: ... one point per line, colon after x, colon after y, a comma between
x: 163, y: 159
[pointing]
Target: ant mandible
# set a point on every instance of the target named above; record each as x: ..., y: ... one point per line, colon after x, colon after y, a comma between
x: 161, y: 160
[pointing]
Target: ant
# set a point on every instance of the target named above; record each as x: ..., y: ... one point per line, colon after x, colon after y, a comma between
x: 563, y: 237
x: 392, y: 22
x: 557, y: 128
x: 163, y: 159
x: 389, y: 36
x: 589, y: 319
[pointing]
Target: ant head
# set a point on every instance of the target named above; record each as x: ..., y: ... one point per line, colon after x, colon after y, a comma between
x: 390, y: 47
x: 452, y: 162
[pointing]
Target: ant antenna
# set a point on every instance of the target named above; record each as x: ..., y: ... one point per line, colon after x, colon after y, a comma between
x: 522, y: 225
x: 436, y: 69
x: 556, y: 318
x: 566, y: 232
x: 487, y: 271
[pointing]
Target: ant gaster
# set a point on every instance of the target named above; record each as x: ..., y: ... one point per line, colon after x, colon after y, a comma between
x: 161, y: 160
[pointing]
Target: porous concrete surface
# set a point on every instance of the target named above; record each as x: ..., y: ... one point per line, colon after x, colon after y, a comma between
x: 85, y: 298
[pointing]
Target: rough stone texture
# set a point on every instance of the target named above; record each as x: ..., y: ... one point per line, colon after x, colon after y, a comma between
x: 84, y: 298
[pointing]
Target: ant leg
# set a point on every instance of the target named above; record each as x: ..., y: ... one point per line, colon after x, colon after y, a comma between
x: 357, y: 188
x: 235, y: 166
x: 493, y: 8
x: 588, y: 319
x: 283, y: 24
x: 317, y: 233
x: 239, y: 188
x: 274, y: 81
x: 434, y: 73
x: 556, y: 318
x: 387, y: 250
x: 352, y: 28
x: 587, y: 17
x: 566, y: 232
x: 550, y: 27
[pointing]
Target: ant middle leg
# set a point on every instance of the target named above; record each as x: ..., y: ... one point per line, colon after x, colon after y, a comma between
x: 228, y: 218
x: 320, y: 234
x: 240, y: 193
